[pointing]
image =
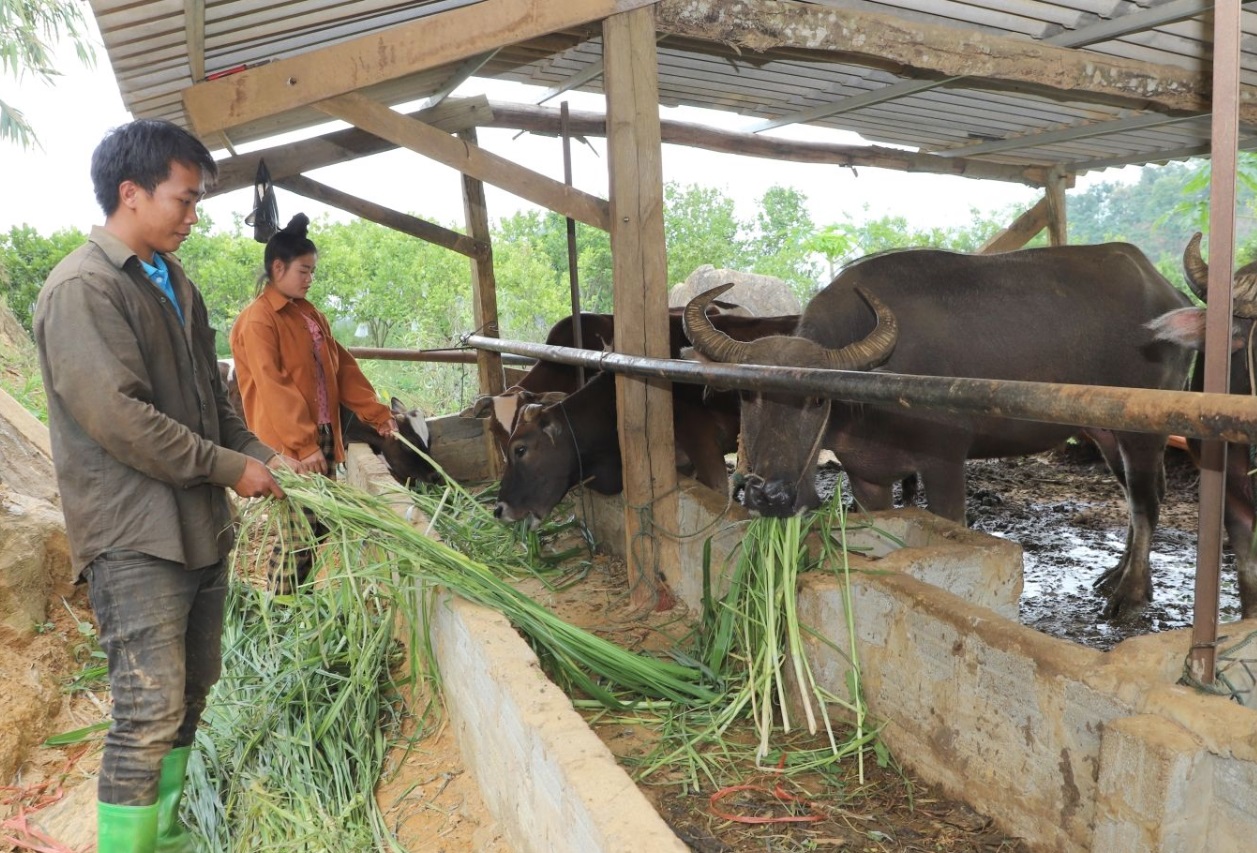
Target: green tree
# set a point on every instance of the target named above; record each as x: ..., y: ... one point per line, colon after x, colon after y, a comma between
x: 29, y: 29
x: 547, y: 233
x: 226, y: 267
x: 781, y: 241
x: 26, y: 258
x: 700, y: 227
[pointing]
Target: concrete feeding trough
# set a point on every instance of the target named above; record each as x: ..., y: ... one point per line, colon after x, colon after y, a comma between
x: 1068, y: 747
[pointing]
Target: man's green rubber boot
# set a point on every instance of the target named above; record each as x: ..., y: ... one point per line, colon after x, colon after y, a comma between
x: 126, y: 829
x: 172, y: 837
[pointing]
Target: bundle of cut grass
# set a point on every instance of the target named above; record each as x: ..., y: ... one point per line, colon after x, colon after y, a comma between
x: 752, y: 641
x: 294, y: 738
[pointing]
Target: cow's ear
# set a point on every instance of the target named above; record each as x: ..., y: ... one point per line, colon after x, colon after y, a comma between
x: 482, y: 407
x: 398, y: 407
x: 553, y: 429
x: 549, y: 397
x: 530, y: 413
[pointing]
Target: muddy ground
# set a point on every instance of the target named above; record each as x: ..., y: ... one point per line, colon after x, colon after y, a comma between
x: 1069, y: 515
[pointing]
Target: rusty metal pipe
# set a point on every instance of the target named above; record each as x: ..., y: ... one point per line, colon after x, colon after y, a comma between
x: 1218, y: 416
x: 451, y: 356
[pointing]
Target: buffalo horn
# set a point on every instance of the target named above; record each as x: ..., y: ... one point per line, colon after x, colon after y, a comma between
x: 1243, y: 285
x: 1196, y: 268
x: 707, y: 339
x: 861, y: 355
x: 876, y: 346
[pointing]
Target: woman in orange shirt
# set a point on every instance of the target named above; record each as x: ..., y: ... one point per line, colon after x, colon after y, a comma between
x: 294, y: 376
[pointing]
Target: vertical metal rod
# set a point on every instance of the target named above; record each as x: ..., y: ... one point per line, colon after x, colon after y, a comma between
x: 573, y: 274
x: 1223, y: 155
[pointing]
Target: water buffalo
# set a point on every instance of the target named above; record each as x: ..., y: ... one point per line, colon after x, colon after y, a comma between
x: 1072, y: 314
x: 552, y: 446
x: 1186, y: 326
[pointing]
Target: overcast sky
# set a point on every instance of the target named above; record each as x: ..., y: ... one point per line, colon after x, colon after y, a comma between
x: 50, y: 188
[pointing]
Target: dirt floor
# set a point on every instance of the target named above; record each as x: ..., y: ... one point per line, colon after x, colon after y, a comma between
x: 1065, y: 510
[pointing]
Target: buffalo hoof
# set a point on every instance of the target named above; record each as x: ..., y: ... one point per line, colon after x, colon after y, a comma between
x: 1111, y: 581
x: 1119, y: 608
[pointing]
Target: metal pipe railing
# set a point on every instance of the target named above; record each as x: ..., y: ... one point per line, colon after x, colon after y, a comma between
x: 1187, y: 413
x: 451, y: 356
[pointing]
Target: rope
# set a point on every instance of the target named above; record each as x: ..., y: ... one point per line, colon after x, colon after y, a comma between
x: 1227, y: 664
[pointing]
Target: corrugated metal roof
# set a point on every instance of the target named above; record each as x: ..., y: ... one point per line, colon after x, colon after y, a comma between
x: 148, y: 46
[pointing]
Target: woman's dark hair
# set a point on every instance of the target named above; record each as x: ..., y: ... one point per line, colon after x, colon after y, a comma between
x: 287, y: 244
x: 142, y: 151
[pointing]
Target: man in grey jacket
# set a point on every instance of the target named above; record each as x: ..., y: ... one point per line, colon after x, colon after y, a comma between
x: 145, y: 443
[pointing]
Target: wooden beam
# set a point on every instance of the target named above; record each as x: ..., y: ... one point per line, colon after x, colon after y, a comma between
x: 340, y: 146
x: 1057, y: 225
x: 583, y: 123
x: 640, y: 287
x: 194, y: 36
x: 1021, y: 232
x: 387, y: 217
x: 378, y: 119
x: 895, y: 43
x: 484, y: 289
x: 426, y: 43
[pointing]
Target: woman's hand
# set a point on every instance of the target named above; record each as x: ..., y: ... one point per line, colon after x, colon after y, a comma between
x: 388, y: 428
x: 316, y: 463
x: 279, y: 461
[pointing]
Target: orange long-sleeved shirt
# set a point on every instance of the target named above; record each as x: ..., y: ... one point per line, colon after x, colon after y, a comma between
x: 274, y: 356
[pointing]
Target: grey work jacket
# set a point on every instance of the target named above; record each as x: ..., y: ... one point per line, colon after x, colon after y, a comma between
x: 144, y: 439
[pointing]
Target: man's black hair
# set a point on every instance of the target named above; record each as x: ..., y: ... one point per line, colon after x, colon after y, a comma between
x: 142, y: 151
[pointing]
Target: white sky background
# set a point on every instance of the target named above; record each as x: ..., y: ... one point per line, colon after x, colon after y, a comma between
x: 51, y: 189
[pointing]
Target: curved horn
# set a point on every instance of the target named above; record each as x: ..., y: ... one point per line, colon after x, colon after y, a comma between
x: 875, y: 348
x: 1244, y: 293
x: 706, y: 338
x: 1196, y: 268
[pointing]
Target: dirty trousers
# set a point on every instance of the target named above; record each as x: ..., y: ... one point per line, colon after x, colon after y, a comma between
x: 161, y: 628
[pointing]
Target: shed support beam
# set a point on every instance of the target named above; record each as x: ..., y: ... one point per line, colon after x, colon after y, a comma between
x: 420, y: 45
x: 640, y: 283
x: 387, y: 217
x: 1218, y: 320
x: 1021, y: 232
x: 894, y: 43
x: 1054, y: 192
x: 484, y: 289
x: 424, y: 139
x: 340, y: 146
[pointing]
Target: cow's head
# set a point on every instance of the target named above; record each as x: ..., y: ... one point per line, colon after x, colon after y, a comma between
x: 407, y: 466
x: 542, y: 463
x: 1186, y: 326
x: 782, y: 432
x: 502, y: 411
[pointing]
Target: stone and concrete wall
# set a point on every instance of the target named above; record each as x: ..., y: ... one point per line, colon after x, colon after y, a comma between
x: 550, y: 782
x: 1070, y: 748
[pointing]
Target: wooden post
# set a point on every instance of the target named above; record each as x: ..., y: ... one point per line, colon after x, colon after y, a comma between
x: 484, y: 294
x: 639, y: 275
x: 1054, y: 191
x: 1224, y: 145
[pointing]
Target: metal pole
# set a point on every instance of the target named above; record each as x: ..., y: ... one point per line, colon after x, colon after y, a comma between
x: 1219, y: 416
x: 573, y: 274
x: 1223, y: 155
x: 449, y: 356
